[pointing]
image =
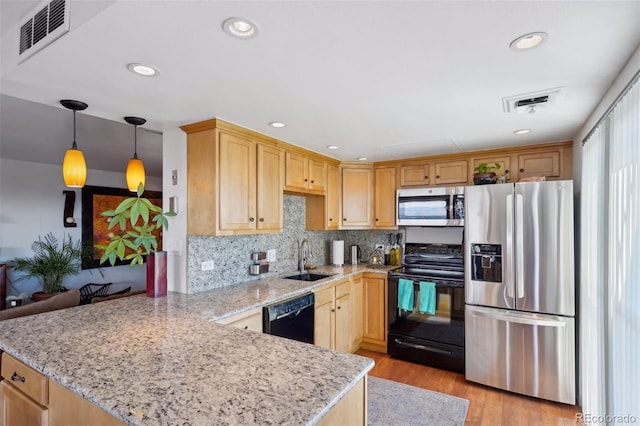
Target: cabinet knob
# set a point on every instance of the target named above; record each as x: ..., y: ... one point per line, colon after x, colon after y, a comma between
x: 305, y: 180
x: 506, y: 171
x: 246, y: 327
x: 437, y: 176
x: 339, y: 307
x: 333, y: 310
x: 426, y: 177
x: 251, y: 219
x: 377, y: 219
x: 344, y: 219
x: 312, y: 181
x: 262, y: 219
x: 521, y: 170
x: 330, y: 219
x: 17, y: 378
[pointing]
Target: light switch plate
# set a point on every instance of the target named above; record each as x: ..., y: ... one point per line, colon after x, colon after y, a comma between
x: 271, y: 255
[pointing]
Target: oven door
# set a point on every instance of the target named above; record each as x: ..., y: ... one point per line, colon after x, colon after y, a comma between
x: 445, y: 325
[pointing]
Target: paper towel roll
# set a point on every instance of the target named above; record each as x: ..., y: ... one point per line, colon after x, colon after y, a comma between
x: 337, y: 254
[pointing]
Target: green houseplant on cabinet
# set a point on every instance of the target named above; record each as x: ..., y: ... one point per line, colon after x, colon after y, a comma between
x: 485, y: 173
x: 138, y: 221
x: 51, y: 263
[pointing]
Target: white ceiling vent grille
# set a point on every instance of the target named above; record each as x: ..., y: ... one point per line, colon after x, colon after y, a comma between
x: 532, y: 102
x: 45, y: 24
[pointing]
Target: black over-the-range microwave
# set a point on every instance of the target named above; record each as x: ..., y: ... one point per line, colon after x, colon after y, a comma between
x: 432, y: 206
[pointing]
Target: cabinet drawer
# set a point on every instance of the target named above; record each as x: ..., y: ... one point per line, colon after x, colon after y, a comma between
x: 324, y: 295
x: 251, y: 320
x: 342, y: 289
x: 26, y: 379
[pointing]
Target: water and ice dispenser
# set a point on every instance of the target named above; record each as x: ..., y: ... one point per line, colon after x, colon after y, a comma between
x: 486, y: 262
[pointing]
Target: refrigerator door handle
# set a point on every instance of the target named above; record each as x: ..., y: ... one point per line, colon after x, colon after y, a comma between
x: 518, y: 318
x: 519, y: 239
x: 509, y: 278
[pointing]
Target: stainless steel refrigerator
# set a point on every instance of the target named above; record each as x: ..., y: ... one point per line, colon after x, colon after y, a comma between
x: 519, y: 288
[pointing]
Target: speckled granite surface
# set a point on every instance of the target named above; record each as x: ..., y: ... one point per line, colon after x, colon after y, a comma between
x: 164, y: 361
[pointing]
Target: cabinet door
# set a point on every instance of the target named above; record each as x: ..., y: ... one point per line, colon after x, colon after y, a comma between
x: 237, y: 189
x: 451, y: 172
x: 375, y: 309
x: 539, y: 164
x: 357, y: 186
x: 323, y: 323
x: 333, y: 197
x: 384, y: 197
x: 296, y: 171
x: 18, y: 409
x: 505, y: 164
x: 270, y: 171
x: 357, y: 313
x: 317, y: 175
x: 414, y: 175
x: 344, y: 323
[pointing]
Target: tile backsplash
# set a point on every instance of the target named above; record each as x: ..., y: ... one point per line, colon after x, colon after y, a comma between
x: 231, y: 255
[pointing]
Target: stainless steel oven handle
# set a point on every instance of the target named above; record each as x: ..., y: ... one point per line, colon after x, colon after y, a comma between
x: 426, y: 348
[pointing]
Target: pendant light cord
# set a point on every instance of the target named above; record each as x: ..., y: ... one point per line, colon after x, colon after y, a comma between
x: 75, y: 145
x: 135, y: 142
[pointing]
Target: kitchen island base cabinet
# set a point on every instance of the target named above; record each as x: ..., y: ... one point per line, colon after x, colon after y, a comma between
x: 67, y: 408
x: 18, y: 409
x: 351, y: 409
x: 250, y: 320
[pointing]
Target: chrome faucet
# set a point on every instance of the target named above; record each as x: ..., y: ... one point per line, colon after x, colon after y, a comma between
x: 301, y: 254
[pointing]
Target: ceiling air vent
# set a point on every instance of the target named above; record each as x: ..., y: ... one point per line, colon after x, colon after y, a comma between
x: 43, y: 25
x: 532, y: 102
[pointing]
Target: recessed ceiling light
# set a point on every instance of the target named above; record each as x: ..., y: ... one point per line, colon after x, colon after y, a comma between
x: 528, y: 41
x: 240, y: 28
x: 277, y: 124
x: 522, y: 131
x: 362, y: 158
x: 144, y: 70
x: 333, y: 147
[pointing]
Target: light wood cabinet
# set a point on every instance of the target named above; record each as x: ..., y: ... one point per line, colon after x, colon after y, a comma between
x: 414, y: 175
x: 357, y: 311
x: 234, y: 184
x: 351, y: 409
x: 375, y: 312
x: 323, y: 211
x: 304, y: 174
x: 27, y: 397
x: 450, y: 172
x: 539, y: 164
x: 384, y: 198
x: 333, y: 322
x: 357, y: 197
x: 250, y: 320
x: 504, y: 161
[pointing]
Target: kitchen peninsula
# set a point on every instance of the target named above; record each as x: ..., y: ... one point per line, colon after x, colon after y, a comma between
x: 155, y: 361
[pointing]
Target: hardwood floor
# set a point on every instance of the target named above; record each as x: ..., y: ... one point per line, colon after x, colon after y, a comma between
x: 487, y: 406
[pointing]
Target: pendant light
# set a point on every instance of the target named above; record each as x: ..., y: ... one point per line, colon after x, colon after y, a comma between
x: 135, y: 168
x: 74, y: 168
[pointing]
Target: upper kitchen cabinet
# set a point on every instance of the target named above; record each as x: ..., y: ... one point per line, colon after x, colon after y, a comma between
x: 434, y: 173
x: 305, y: 174
x: 235, y: 183
x: 414, y: 175
x: 504, y: 161
x: 540, y: 164
x: 323, y: 211
x: 384, y: 197
x: 450, y: 172
x: 357, y: 196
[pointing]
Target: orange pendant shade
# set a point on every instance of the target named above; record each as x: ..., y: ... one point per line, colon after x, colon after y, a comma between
x: 135, y: 174
x: 74, y: 169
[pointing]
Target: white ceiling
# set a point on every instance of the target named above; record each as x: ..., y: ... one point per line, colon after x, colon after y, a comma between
x: 381, y: 79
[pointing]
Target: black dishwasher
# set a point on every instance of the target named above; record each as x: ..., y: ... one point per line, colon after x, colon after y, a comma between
x: 291, y: 318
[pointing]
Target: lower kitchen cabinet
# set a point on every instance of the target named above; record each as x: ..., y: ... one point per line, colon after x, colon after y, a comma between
x: 357, y: 311
x: 30, y: 398
x: 250, y: 320
x: 351, y: 409
x: 333, y: 323
x: 375, y: 312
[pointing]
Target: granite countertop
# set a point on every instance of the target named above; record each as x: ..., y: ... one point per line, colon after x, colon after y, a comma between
x: 157, y: 361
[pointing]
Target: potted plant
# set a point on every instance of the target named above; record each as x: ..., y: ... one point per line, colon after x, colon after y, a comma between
x: 51, y: 263
x: 485, y: 174
x: 137, y: 219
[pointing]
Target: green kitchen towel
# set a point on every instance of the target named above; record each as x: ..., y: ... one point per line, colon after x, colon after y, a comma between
x: 427, y: 302
x: 405, y: 294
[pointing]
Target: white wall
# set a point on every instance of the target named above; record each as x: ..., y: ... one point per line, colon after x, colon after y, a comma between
x: 174, y: 157
x: 31, y: 205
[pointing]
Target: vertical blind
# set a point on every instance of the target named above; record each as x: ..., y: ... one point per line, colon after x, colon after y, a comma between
x: 610, y: 268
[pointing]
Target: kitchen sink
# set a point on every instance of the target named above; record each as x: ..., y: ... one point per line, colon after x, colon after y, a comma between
x: 307, y: 276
